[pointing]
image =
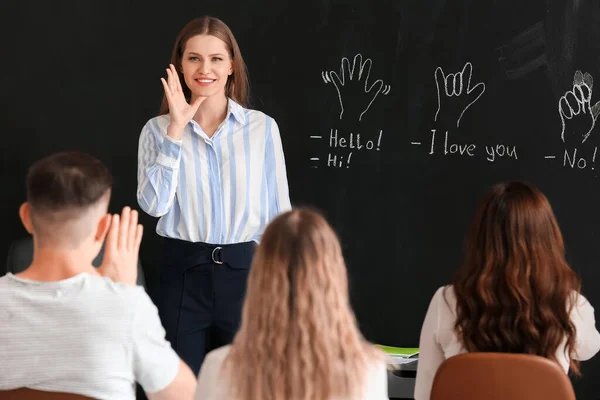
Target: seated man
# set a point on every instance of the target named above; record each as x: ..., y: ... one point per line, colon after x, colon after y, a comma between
x: 67, y: 326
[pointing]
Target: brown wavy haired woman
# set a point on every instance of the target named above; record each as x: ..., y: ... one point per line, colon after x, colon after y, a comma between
x: 299, y: 339
x: 515, y: 292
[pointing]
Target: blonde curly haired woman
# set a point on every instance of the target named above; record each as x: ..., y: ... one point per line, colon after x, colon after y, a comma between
x: 298, y: 339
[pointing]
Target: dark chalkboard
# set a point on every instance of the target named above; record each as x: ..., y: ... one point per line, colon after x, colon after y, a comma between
x: 395, y: 158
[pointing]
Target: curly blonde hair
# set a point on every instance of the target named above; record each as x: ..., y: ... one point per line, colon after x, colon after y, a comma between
x: 298, y: 337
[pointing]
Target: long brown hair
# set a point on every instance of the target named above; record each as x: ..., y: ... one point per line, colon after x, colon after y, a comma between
x: 298, y: 338
x: 515, y: 290
x: 237, y: 86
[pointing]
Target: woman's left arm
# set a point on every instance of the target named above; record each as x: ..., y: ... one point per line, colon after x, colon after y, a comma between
x: 431, y: 355
x: 277, y: 183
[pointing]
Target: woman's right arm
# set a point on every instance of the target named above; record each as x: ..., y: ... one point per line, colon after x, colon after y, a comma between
x: 588, y: 338
x: 159, y: 157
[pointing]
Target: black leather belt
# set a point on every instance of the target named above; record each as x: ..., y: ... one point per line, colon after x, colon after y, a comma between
x: 190, y: 254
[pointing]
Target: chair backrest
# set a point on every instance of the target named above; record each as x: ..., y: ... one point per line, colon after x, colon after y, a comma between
x: 30, y: 394
x: 20, y: 256
x: 500, y: 376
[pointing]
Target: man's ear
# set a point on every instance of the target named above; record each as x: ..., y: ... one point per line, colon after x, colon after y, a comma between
x: 25, y: 214
x: 102, y: 228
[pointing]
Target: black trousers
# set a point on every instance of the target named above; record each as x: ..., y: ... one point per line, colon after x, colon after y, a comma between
x: 202, y: 289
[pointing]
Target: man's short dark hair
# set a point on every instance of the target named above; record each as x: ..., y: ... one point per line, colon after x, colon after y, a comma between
x: 66, y: 181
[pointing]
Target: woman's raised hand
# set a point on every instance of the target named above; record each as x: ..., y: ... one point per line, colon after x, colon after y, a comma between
x: 180, y: 111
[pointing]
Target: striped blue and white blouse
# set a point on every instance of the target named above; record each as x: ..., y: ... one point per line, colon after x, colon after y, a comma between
x: 220, y: 190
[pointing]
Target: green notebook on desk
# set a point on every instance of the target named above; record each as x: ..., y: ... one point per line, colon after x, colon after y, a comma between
x: 404, y: 352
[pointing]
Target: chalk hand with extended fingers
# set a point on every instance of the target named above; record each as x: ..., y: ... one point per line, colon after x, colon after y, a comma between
x: 353, y: 86
x: 455, y: 93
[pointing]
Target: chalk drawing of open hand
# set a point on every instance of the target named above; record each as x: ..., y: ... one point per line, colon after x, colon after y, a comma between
x: 578, y: 118
x: 455, y: 92
x: 352, y: 85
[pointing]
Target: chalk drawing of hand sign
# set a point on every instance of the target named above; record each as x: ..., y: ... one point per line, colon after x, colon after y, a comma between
x: 352, y: 85
x: 574, y: 107
x: 457, y: 85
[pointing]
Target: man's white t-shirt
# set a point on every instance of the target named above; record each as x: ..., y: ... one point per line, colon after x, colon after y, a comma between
x: 439, y: 340
x: 85, y: 335
x: 215, y: 385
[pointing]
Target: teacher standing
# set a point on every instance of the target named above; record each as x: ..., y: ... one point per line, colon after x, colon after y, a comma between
x: 214, y: 172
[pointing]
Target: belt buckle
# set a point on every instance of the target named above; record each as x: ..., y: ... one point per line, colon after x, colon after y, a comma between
x: 214, y: 252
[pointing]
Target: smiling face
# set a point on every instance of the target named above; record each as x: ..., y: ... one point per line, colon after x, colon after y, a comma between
x: 206, y: 65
